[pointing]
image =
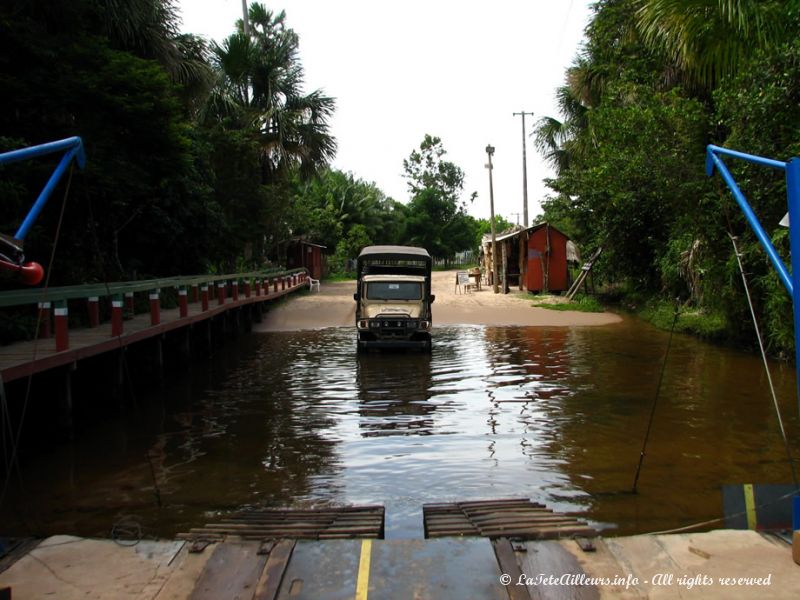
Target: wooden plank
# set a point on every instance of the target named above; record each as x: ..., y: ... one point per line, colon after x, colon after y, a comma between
x: 550, y: 558
x: 232, y: 571
x: 509, y: 566
x: 541, y: 534
x: 270, y: 581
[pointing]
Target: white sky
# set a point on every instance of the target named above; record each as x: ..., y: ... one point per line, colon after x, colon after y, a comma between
x: 454, y: 69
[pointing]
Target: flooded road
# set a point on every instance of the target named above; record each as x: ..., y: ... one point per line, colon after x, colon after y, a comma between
x: 557, y: 415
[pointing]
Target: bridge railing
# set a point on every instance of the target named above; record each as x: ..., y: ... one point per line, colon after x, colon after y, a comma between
x: 52, y: 302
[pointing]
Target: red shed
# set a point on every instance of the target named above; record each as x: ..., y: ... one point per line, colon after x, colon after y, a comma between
x: 301, y: 253
x: 547, y: 259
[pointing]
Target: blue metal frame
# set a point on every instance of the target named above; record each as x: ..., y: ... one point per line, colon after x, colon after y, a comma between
x: 72, y: 148
x: 791, y: 281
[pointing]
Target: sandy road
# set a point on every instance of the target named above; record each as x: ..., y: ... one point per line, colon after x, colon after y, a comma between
x: 333, y: 306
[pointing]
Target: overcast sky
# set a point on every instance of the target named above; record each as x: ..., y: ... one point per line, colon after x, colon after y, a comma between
x: 454, y: 69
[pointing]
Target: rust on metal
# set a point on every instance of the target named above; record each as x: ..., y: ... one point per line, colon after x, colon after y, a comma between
x: 316, y: 524
x: 516, y: 518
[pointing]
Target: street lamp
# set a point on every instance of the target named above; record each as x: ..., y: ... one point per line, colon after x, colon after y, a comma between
x: 490, y: 151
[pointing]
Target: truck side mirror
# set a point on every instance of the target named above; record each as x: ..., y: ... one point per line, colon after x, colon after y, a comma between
x: 433, y: 297
x: 355, y: 296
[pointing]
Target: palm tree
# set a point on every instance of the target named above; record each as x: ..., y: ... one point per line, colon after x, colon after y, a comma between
x: 260, y: 87
x: 150, y: 29
x: 709, y: 39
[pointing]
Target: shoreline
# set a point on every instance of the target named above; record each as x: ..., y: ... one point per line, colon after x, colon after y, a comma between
x: 333, y: 306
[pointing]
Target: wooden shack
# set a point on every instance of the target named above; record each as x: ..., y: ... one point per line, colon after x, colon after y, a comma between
x: 535, y: 258
x: 547, y: 259
x: 302, y: 253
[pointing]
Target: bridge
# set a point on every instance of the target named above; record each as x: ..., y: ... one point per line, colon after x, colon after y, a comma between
x: 74, y: 323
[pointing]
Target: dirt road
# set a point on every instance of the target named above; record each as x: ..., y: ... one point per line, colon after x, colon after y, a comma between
x: 333, y: 306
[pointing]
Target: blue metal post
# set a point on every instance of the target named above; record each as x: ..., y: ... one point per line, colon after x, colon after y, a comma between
x: 45, y: 195
x: 714, y: 161
x: 73, y: 148
x: 793, y: 196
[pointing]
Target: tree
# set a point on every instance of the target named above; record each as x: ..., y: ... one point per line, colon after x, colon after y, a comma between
x: 709, y: 39
x: 259, y: 89
x: 426, y: 169
x: 437, y: 218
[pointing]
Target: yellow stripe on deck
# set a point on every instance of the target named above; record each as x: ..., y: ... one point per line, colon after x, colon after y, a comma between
x: 749, y: 505
x: 362, y: 583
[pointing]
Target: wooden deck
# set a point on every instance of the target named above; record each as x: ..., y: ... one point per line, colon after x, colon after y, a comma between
x: 23, y: 359
x: 712, y: 565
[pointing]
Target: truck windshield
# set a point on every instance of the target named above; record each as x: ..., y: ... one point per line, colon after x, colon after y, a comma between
x: 394, y: 290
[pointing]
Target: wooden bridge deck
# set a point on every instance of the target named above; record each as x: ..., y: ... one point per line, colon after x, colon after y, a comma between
x: 22, y: 359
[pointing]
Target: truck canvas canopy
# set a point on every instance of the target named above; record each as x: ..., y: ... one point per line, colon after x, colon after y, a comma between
x: 395, y: 260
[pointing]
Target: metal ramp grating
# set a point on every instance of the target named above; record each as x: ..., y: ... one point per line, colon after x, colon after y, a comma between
x: 517, y: 518
x: 345, y: 522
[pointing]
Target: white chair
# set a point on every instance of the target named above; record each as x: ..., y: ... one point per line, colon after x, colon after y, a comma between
x: 313, y: 284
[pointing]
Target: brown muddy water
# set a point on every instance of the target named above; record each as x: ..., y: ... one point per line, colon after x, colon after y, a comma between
x: 299, y: 419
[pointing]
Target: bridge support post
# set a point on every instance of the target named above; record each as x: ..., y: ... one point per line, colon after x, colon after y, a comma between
x: 44, y: 320
x: 65, y: 403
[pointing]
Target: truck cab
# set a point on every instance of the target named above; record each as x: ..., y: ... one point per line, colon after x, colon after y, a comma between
x: 393, y: 298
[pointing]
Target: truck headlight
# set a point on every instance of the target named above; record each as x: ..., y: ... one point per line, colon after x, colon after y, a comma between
x: 424, y: 324
x: 363, y: 324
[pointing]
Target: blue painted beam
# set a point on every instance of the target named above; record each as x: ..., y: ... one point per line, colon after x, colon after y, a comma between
x: 72, y: 148
x: 791, y: 281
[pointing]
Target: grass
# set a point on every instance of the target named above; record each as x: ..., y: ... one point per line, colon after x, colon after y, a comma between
x: 705, y: 325
x: 333, y: 277
x: 580, y: 303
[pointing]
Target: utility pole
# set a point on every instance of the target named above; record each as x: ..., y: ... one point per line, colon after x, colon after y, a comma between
x: 495, y: 275
x: 245, y: 21
x: 524, y: 169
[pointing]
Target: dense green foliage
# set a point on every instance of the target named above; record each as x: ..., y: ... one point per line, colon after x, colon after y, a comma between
x: 200, y: 157
x: 656, y: 82
x: 194, y: 153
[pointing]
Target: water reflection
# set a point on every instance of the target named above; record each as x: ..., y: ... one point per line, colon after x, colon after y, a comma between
x: 557, y: 415
x: 393, y: 394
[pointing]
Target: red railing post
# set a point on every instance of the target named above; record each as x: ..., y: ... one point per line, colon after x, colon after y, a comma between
x: 220, y: 293
x: 183, y: 302
x: 93, y: 304
x: 235, y: 290
x: 194, y: 292
x: 283, y: 282
x: 247, y: 288
x: 204, y: 296
x: 44, y: 320
x: 62, y: 326
x: 155, y: 307
x: 116, y: 316
x: 129, y: 303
